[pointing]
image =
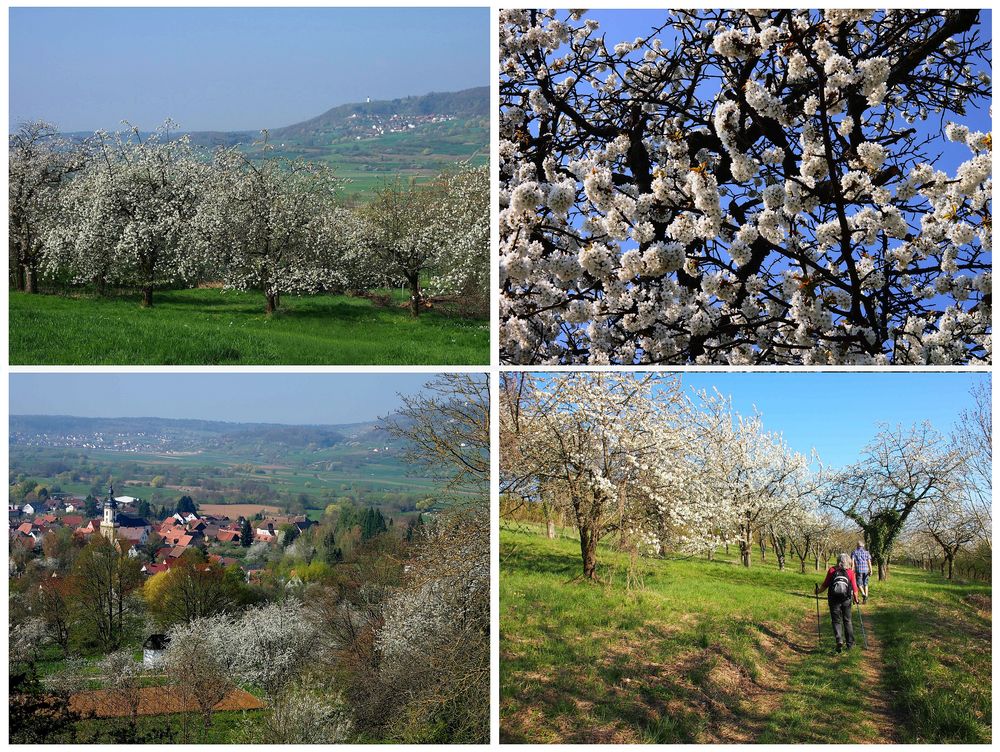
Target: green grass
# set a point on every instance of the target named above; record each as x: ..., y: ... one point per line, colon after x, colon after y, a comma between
x: 712, y: 652
x: 938, y: 639
x: 212, y: 327
x: 177, y: 728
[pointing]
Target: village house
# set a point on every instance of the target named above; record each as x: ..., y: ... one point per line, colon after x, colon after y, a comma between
x: 229, y: 536
x: 151, y: 569
x: 267, y: 530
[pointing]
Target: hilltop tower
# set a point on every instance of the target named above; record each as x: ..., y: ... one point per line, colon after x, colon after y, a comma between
x: 109, y: 525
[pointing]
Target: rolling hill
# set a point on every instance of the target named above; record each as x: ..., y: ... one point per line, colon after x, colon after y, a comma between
x: 182, y: 435
x: 468, y: 104
x: 371, y: 143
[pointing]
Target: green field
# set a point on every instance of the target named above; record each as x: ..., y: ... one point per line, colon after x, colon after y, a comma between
x: 213, y: 327
x: 362, y: 473
x: 712, y: 652
x: 369, y: 164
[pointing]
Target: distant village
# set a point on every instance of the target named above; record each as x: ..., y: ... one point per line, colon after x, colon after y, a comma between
x: 361, y: 126
x: 117, y: 442
x: 158, y: 544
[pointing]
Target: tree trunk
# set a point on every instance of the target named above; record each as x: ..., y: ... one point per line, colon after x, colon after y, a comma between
x: 271, y: 303
x: 414, y: 281
x: 883, y: 571
x: 147, y: 297
x: 30, y: 280
x: 588, y: 549
x: 745, y: 550
x: 951, y: 566
x: 19, y: 277
x: 550, y: 529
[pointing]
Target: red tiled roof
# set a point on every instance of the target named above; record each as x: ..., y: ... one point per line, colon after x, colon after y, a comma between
x: 152, y: 569
x: 131, y: 533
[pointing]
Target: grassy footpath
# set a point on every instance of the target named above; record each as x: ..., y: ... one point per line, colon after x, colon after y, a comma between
x: 711, y: 652
x: 211, y: 327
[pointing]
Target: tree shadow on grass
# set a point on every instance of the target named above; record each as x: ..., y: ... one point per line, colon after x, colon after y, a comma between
x: 617, y: 697
x: 535, y: 561
x: 613, y: 681
x: 176, y: 300
x: 799, y: 647
x: 690, y: 696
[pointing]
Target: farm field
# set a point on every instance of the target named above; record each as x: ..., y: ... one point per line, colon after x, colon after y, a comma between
x: 419, y: 155
x: 237, y: 510
x: 101, y: 703
x: 317, y: 477
x: 711, y: 652
x: 212, y: 327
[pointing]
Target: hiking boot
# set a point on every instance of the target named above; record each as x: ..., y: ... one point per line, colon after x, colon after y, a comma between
x: 864, y: 599
x: 839, y: 647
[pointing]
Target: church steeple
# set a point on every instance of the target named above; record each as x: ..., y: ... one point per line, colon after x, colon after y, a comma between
x: 109, y: 525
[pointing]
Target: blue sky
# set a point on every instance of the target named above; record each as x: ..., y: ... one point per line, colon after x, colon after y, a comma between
x: 838, y: 413
x: 233, y: 68
x: 294, y: 398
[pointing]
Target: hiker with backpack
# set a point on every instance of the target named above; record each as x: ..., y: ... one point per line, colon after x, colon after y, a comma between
x: 843, y: 592
x: 862, y: 569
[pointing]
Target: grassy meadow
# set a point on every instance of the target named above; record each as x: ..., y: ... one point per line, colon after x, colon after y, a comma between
x: 215, y: 327
x: 701, y: 652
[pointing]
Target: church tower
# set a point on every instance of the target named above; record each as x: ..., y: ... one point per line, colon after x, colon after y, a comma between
x: 109, y: 525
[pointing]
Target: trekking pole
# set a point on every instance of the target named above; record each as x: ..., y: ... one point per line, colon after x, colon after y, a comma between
x: 864, y: 636
x: 818, y: 633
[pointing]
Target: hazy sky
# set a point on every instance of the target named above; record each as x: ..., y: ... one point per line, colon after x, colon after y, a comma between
x: 838, y: 413
x: 233, y: 68
x: 295, y: 398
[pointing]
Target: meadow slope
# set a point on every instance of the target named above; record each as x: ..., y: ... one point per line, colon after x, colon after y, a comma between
x: 712, y: 652
x: 212, y: 327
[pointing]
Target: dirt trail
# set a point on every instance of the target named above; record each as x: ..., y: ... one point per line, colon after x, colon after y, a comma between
x: 880, y: 708
x: 788, y: 654
x: 762, y: 698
